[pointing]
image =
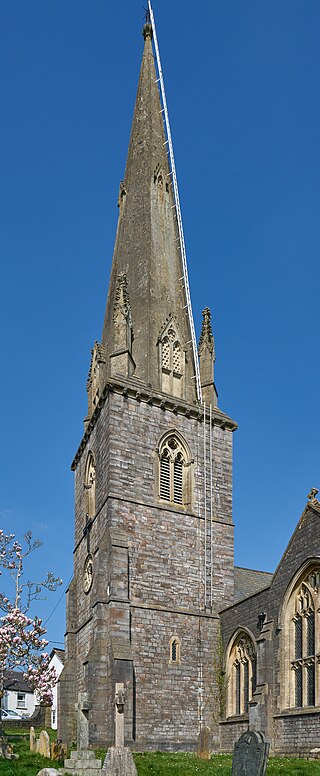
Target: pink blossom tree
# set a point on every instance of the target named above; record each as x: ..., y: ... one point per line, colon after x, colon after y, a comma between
x: 22, y: 645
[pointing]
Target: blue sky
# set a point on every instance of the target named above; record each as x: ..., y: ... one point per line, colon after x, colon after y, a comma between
x: 242, y: 83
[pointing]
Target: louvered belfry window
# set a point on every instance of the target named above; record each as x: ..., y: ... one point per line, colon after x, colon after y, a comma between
x: 178, y: 479
x: 172, y: 486
x: 165, y: 465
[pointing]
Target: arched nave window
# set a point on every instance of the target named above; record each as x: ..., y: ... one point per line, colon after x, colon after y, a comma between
x: 300, y: 646
x: 241, y: 670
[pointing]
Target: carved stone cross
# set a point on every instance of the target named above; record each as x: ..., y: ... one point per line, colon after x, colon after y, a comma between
x: 119, y: 702
x: 312, y: 497
x: 83, y: 707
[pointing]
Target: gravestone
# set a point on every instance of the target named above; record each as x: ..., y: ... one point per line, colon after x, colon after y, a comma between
x: 204, y: 741
x: 44, y: 744
x: 250, y: 755
x: 118, y: 760
x: 32, y: 740
x: 6, y: 750
x: 58, y: 750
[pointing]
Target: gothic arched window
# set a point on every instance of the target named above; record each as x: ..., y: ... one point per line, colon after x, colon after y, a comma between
x: 241, y: 674
x: 175, y: 650
x: 90, y: 485
x: 301, y: 642
x: 174, y: 470
x: 172, y: 361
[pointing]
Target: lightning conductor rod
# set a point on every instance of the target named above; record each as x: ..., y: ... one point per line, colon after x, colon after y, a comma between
x: 177, y: 205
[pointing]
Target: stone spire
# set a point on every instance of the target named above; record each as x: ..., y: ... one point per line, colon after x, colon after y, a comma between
x: 154, y: 344
x: 207, y: 358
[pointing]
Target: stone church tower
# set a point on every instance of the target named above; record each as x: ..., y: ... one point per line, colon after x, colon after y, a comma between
x: 153, y: 552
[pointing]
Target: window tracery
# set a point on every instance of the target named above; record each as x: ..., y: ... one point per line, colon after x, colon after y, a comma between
x: 242, y: 674
x: 302, y: 643
x: 174, y: 471
x: 172, y: 361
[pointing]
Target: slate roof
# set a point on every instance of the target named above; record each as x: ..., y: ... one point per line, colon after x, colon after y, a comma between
x: 13, y: 680
x: 248, y: 581
x: 59, y: 653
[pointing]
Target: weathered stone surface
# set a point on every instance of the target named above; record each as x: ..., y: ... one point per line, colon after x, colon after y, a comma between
x: 204, y: 741
x: 250, y: 755
x: 44, y: 744
x: 146, y: 248
x: 83, y: 763
x: 119, y: 762
x: 83, y: 708
x: 164, y: 585
x: 149, y: 579
x: 58, y: 750
x: 49, y: 772
x: 6, y: 750
x: 32, y: 740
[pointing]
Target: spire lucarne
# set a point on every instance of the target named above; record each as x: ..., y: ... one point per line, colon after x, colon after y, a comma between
x: 147, y: 258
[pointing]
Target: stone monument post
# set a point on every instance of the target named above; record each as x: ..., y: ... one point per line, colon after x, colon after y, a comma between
x: 83, y: 707
x: 119, y: 760
x: 119, y: 714
x: 82, y: 761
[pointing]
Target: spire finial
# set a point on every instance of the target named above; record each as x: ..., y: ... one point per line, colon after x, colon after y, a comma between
x: 206, y: 337
x: 147, y: 29
x: 207, y: 358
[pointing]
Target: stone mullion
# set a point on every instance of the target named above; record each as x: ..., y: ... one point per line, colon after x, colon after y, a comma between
x: 171, y: 479
x: 232, y: 694
x: 317, y: 679
x: 241, y: 687
x: 292, y: 675
x: 304, y: 667
x: 317, y: 650
x: 250, y: 674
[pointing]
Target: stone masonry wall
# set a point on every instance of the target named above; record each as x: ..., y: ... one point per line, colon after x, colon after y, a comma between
x: 148, y: 584
x: 171, y: 699
x: 289, y: 731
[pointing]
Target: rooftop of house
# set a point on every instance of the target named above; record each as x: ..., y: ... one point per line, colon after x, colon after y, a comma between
x: 14, y: 681
x: 59, y: 652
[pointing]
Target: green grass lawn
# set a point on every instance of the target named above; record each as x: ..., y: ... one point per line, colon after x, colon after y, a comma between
x: 154, y: 763
x: 159, y: 764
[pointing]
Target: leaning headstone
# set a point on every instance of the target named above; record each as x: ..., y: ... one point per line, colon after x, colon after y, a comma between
x: 204, y: 740
x: 58, y: 750
x: 250, y: 755
x: 32, y: 740
x: 118, y: 760
x: 44, y: 744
